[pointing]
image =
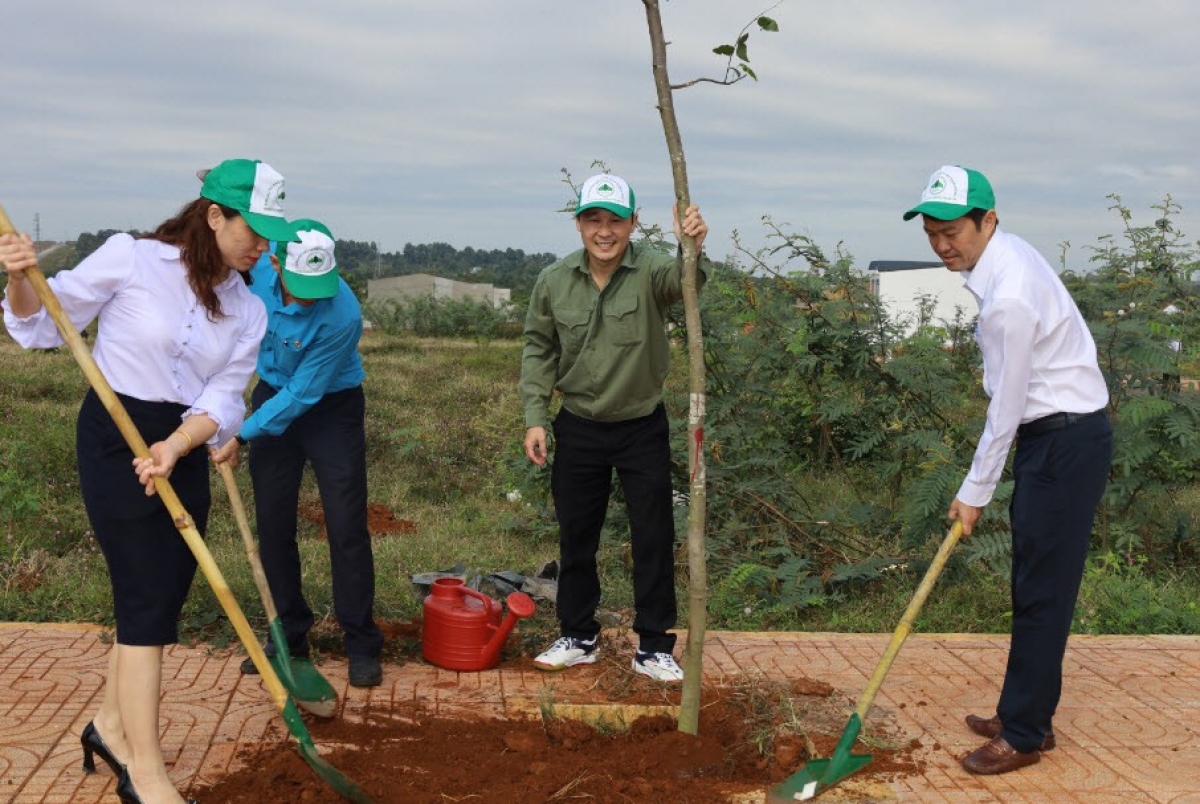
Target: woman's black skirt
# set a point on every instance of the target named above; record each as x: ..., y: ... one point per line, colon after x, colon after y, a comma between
x: 149, y: 564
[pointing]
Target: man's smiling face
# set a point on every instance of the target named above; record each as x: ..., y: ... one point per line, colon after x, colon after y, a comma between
x: 605, y: 236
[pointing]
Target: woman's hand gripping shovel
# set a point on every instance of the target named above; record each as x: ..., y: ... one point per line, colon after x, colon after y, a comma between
x: 191, y: 536
x: 311, y: 691
x: 819, y: 774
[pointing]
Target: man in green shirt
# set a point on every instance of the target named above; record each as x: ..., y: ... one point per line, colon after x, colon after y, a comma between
x: 596, y: 333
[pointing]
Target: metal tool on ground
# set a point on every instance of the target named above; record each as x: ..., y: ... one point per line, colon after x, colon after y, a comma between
x: 187, y: 529
x: 819, y: 774
x: 311, y: 691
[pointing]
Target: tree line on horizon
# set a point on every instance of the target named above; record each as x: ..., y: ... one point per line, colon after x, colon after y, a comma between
x: 360, y: 261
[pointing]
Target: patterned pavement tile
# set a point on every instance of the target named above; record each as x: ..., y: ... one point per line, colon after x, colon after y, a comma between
x: 1126, y: 727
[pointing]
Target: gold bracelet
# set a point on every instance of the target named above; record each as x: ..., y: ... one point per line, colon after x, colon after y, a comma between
x: 184, y: 433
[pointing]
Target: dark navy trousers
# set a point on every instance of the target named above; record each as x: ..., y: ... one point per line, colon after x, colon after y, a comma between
x: 586, y: 453
x: 1060, y: 477
x: 331, y: 437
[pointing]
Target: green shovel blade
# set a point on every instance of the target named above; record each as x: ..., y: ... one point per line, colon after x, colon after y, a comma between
x: 311, y: 691
x: 344, y: 785
x: 818, y: 774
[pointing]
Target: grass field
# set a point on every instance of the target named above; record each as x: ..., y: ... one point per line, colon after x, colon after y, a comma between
x: 444, y: 432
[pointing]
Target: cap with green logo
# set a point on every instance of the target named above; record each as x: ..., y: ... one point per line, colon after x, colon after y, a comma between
x: 309, y: 269
x: 254, y: 189
x: 952, y: 192
x: 606, y: 191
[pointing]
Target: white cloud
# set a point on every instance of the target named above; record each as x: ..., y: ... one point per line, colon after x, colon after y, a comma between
x: 450, y: 121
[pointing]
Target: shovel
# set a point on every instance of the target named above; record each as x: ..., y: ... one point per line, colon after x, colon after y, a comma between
x: 187, y: 529
x: 819, y: 774
x: 311, y: 691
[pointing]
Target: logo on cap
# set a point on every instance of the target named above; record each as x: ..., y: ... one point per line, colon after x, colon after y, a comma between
x: 312, y: 263
x: 266, y: 197
x: 312, y: 256
x: 943, y: 186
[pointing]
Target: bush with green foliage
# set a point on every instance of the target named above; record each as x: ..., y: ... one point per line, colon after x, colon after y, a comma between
x: 836, y: 438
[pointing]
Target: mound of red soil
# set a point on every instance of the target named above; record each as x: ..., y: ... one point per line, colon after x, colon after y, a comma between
x: 411, y: 757
x: 381, y: 520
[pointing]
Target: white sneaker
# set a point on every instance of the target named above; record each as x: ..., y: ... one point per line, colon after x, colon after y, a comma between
x: 567, y: 652
x: 659, y: 666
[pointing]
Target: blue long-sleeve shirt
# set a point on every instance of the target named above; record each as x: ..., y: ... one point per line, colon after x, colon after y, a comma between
x: 307, y: 352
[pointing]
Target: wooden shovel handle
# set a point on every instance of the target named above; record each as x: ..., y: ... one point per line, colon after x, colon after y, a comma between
x: 243, y: 522
x: 906, y: 621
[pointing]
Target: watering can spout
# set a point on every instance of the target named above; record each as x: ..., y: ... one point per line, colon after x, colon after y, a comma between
x: 520, y: 605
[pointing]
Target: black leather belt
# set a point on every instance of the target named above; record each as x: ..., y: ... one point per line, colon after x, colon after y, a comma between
x: 1055, y: 421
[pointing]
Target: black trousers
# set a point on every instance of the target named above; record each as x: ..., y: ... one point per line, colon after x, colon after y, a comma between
x: 1060, y: 477
x: 331, y: 437
x: 150, y: 566
x: 585, y: 454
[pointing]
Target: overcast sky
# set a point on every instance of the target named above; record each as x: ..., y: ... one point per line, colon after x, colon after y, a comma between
x: 451, y: 120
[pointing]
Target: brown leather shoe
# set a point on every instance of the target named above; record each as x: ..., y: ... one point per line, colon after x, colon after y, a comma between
x: 991, y: 727
x: 997, y: 756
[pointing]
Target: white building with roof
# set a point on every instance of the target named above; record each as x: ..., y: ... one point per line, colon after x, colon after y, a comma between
x: 900, y: 285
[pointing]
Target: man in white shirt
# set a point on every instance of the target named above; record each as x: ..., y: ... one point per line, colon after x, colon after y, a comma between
x: 1047, y: 394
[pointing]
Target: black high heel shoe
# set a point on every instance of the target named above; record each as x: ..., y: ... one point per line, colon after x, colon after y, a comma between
x: 127, y: 793
x: 92, y: 744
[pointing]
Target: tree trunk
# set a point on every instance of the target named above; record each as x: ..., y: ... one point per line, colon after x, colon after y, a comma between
x: 689, y: 710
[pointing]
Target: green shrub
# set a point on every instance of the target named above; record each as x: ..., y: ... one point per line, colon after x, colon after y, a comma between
x: 1119, y: 597
x: 426, y: 316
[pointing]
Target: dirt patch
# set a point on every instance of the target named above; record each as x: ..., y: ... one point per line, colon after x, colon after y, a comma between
x: 381, y: 520
x: 752, y: 734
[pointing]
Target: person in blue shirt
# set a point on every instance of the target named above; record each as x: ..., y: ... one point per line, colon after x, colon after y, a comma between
x: 309, y: 407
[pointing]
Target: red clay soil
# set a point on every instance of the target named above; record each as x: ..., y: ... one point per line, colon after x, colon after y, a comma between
x: 409, y: 756
x: 381, y: 520
x: 752, y: 734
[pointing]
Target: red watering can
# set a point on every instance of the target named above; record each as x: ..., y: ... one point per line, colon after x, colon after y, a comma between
x: 462, y: 628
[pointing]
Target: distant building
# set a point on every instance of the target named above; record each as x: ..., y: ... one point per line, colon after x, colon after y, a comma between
x: 413, y: 285
x: 901, y: 283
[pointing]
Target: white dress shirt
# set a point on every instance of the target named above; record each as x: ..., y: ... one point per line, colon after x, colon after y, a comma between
x: 155, y: 341
x: 1038, y: 354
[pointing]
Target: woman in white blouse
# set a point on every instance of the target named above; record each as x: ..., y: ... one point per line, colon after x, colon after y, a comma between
x: 177, y: 337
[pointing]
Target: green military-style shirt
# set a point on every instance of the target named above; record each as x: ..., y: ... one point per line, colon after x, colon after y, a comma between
x: 605, y: 350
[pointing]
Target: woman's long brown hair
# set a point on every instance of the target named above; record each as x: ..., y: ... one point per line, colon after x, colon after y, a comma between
x: 206, y: 268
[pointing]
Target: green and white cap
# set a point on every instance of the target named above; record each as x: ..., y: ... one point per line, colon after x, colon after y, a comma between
x: 952, y: 192
x: 254, y: 189
x: 606, y: 191
x: 309, y: 269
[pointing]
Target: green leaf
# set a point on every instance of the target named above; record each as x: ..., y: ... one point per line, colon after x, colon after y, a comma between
x: 768, y: 24
x: 746, y: 69
x: 723, y: 50
x: 741, y: 50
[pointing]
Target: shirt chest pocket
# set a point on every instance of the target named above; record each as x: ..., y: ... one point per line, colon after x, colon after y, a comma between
x: 286, y: 354
x: 622, y: 322
x: 572, y: 326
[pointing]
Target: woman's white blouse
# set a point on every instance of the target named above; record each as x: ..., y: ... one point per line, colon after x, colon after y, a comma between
x: 155, y: 341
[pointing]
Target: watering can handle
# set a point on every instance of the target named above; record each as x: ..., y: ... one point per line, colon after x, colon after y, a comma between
x: 487, y: 601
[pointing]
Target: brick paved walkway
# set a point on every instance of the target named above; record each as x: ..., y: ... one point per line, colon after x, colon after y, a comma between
x: 1127, y: 726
